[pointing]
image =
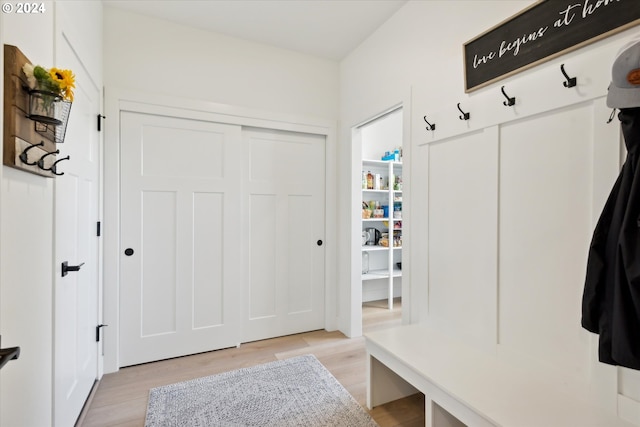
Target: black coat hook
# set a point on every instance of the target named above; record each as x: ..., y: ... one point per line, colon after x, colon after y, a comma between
x: 571, y: 81
x: 54, y: 166
x: 24, y: 157
x: 510, y: 101
x: 464, y: 116
x: 41, y: 161
x: 429, y: 125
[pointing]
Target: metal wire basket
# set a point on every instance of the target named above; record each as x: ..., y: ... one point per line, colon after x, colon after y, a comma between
x: 50, y: 113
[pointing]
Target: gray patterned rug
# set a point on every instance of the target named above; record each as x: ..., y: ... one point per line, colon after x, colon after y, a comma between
x: 291, y: 392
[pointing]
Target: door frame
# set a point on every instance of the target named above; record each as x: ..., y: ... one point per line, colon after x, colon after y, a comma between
x: 409, y: 293
x: 118, y: 100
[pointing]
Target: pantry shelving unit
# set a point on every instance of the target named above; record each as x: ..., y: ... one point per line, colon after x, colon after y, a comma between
x: 383, y: 258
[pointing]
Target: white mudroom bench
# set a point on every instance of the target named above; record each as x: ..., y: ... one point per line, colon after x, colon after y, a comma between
x: 473, y: 387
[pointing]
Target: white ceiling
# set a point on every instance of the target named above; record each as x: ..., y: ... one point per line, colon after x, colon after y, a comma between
x: 324, y: 28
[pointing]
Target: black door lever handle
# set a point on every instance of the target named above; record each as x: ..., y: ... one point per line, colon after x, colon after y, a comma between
x: 7, y: 354
x: 67, y: 268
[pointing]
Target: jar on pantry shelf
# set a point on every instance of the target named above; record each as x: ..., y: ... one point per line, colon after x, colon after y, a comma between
x: 369, y: 180
x: 365, y: 262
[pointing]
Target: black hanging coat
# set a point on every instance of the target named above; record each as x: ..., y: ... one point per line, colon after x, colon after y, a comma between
x: 611, y: 299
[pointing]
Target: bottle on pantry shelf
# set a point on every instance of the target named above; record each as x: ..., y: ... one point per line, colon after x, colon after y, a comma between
x: 369, y: 181
x: 365, y: 262
x: 364, y: 180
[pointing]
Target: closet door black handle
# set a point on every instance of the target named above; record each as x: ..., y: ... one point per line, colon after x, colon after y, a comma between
x: 319, y: 242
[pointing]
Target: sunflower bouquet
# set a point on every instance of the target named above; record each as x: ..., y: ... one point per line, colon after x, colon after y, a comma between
x: 54, y: 80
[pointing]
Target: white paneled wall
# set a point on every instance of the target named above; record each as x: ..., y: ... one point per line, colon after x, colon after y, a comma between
x: 512, y: 282
x: 545, y: 226
x: 463, y: 191
x: 512, y: 197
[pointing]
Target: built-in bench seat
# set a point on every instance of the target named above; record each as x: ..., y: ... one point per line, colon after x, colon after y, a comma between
x: 473, y: 386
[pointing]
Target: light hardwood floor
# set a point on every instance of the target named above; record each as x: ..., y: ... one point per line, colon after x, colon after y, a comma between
x: 121, y: 398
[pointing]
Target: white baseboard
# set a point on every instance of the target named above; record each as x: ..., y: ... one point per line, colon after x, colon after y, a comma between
x: 376, y: 290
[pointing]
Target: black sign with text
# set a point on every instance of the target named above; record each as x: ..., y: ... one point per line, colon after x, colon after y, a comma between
x: 541, y: 32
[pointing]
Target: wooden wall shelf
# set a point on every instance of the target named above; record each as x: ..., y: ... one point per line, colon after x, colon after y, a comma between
x: 20, y: 131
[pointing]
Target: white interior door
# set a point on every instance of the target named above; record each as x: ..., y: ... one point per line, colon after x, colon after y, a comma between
x: 180, y: 245
x: 283, y: 225
x: 77, y: 211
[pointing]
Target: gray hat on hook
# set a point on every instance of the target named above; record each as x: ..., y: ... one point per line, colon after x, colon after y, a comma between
x: 624, y: 90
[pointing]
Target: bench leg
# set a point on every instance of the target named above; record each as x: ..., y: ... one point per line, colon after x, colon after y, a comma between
x: 437, y: 416
x: 384, y: 385
x: 428, y: 411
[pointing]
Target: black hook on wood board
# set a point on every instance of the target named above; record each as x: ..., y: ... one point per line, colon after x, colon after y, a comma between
x: 464, y: 116
x: 571, y: 81
x: 41, y: 161
x: 510, y: 101
x: 54, y: 166
x: 429, y: 125
x: 24, y: 157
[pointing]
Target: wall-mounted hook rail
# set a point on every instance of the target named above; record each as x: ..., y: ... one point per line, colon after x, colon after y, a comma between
x: 510, y: 101
x: 464, y: 116
x: 24, y: 157
x: 429, y: 125
x: 54, y: 167
x: 41, y: 161
x: 571, y: 81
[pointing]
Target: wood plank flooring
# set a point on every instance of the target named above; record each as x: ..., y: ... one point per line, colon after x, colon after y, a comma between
x: 120, y: 399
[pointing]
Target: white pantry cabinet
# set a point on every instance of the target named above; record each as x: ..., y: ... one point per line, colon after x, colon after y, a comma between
x: 381, y: 223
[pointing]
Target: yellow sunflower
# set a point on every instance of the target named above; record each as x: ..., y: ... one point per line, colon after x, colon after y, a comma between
x: 65, y: 80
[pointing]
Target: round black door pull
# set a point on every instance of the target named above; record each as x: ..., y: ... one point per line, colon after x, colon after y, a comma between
x: 319, y: 242
x: 128, y: 252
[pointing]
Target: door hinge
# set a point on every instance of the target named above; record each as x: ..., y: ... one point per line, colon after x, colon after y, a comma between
x: 100, y: 117
x: 98, y: 230
x: 98, y: 331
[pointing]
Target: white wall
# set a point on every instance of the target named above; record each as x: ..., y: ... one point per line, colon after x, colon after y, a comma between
x: 382, y: 135
x: 420, y: 46
x: 502, y: 206
x: 26, y: 238
x: 26, y: 226
x: 159, y: 57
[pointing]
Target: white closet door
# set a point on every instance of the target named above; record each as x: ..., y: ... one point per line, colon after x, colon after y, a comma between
x: 283, y: 226
x: 180, y: 244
